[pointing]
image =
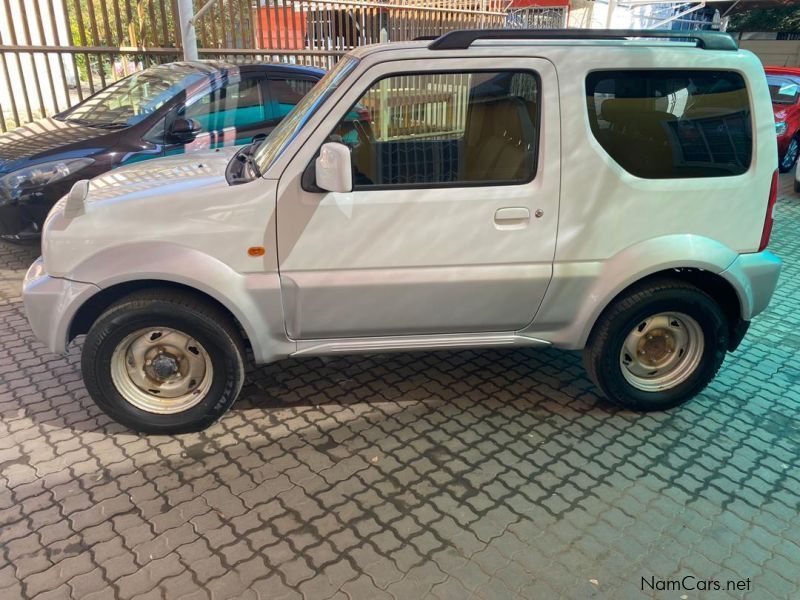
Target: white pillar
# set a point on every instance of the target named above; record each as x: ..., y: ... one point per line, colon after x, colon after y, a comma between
x: 188, y: 34
x: 384, y: 95
x: 612, y: 4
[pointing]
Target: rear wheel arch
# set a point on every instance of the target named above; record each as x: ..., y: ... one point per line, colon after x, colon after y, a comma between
x: 713, y: 284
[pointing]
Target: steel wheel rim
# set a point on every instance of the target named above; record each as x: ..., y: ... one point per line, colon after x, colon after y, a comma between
x: 662, y: 351
x: 161, y: 370
x: 791, y: 154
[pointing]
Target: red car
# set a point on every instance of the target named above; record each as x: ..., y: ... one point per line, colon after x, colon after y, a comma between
x: 784, y: 87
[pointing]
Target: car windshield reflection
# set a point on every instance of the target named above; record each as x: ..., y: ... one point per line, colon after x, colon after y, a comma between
x: 130, y: 100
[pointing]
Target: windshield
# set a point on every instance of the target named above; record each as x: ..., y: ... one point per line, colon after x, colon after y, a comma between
x: 287, y: 129
x: 783, y: 89
x: 130, y: 100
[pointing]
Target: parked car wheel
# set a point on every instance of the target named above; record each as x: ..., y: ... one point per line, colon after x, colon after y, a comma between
x: 658, y: 346
x: 163, y: 362
x: 789, y: 158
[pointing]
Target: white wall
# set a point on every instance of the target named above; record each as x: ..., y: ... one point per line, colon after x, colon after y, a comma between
x: 775, y: 53
x: 594, y: 15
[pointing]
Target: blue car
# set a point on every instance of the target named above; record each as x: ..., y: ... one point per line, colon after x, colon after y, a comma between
x: 164, y: 110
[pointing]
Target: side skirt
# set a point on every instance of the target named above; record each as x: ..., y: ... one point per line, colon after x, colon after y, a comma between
x: 415, y: 342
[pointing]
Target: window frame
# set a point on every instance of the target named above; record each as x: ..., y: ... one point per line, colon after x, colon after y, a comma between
x: 594, y: 139
x: 173, y: 110
x: 224, y: 83
x: 452, y: 184
x: 267, y: 86
x: 796, y: 80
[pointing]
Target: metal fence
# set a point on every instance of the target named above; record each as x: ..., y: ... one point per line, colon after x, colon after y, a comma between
x: 537, y: 18
x: 54, y: 53
x: 317, y: 33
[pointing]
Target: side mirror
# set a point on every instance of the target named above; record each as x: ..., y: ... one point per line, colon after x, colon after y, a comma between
x: 333, y: 168
x: 184, y: 130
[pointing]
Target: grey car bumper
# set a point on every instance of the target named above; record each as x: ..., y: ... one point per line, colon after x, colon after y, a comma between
x: 755, y: 277
x: 51, y: 304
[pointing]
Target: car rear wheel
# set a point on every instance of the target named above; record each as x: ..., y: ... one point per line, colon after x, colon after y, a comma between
x: 790, y: 156
x: 658, y: 346
x: 163, y: 362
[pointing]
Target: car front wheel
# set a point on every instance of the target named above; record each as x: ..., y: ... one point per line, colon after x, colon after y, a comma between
x: 163, y: 362
x: 790, y: 156
x: 658, y: 346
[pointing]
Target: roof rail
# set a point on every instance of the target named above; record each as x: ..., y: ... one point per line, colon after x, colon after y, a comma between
x: 463, y: 39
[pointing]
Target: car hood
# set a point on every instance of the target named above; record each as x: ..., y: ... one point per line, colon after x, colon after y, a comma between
x: 173, y: 175
x: 51, y: 139
x: 181, y: 200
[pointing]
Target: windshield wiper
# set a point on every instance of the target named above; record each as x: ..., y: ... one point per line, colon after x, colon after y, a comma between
x: 76, y: 120
x: 101, y: 125
x: 112, y: 125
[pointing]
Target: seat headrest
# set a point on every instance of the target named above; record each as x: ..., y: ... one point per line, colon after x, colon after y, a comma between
x: 618, y: 110
x: 498, y: 114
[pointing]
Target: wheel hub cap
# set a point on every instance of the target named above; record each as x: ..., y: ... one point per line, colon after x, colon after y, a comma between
x: 163, y: 367
x: 662, y: 351
x: 161, y: 370
x: 656, y: 347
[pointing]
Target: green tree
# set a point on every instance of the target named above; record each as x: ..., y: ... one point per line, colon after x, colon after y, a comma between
x: 785, y: 19
x: 145, y: 28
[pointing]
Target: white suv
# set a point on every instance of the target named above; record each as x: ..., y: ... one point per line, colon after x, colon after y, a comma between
x: 574, y: 189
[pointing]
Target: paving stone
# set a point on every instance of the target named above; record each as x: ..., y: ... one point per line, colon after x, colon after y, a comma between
x: 87, y: 583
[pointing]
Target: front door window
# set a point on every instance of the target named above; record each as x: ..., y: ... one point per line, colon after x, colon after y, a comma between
x: 444, y: 129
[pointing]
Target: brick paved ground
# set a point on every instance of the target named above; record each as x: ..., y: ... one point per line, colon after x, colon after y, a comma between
x: 481, y: 474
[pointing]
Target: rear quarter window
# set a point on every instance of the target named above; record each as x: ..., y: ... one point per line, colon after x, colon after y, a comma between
x: 670, y: 124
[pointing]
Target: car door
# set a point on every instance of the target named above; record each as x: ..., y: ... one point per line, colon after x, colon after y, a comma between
x: 451, y: 224
x: 231, y: 114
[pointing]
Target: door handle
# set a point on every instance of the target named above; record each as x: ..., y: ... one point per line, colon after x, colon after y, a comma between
x: 512, y: 217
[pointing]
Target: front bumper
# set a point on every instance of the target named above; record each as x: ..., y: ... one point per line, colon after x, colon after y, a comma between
x: 755, y: 277
x: 51, y: 304
x: 22, y: 220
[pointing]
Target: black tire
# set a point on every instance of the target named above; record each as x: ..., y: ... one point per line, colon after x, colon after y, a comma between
x: 797, y: 186
x: 789, y: 159
x: 602, y: 352
x: 169, y: 309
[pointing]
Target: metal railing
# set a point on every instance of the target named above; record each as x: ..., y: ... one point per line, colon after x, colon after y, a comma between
x: 317, y: 33
x: 54, y: 53
x: 538, y: 18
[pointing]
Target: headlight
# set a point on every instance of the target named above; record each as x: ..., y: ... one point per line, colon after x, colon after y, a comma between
x: 780, y: 127
x: 15, y: 184
x: 35, y: 271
